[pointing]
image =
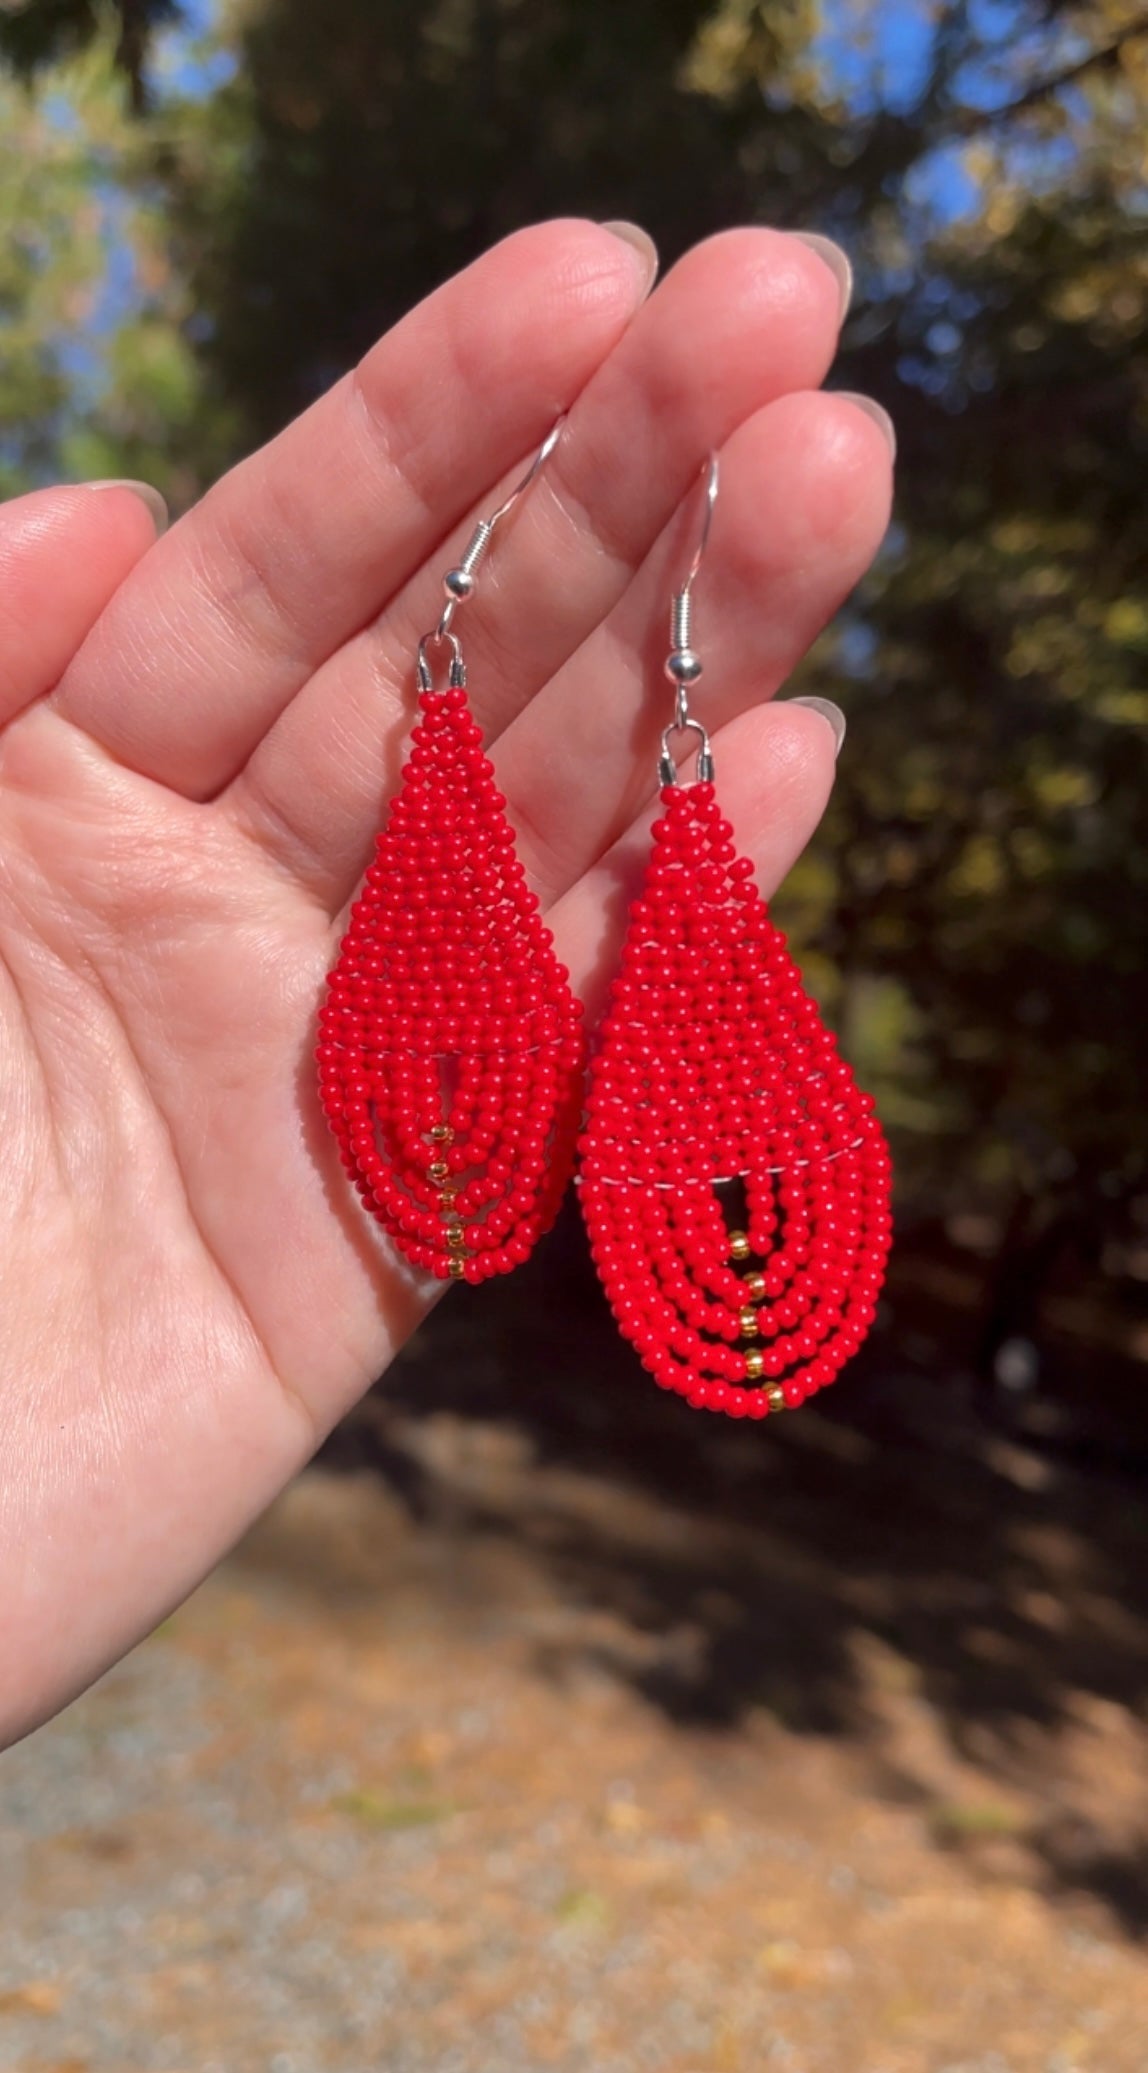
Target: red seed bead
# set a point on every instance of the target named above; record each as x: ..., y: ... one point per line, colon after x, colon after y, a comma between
x: 446, y: 959
x: 713, y: 1064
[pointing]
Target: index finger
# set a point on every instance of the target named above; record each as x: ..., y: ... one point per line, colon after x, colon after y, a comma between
x: 302, y: 545
x: 62, y: 554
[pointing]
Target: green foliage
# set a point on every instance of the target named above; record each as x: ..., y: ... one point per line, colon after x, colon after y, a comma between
x: 36, y: 35
x: 366, y: 151
x: 973, y: 911
x: 97, y: 372
x: 992, y: 843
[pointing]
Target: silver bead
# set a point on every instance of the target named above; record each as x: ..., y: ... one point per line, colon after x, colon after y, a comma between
x: 683, y: 666
x: 458, y: 583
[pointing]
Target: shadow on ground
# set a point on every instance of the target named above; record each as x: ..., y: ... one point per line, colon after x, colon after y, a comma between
x: 887, y: 1540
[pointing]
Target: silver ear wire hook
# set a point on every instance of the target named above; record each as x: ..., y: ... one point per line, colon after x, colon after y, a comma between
x: 537, y: 464
x: 683, y: 664
x: 459, y: 582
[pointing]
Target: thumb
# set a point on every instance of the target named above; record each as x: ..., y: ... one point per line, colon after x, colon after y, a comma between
x: 63, y: 553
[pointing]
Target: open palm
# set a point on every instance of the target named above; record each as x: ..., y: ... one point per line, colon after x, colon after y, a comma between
x: 193, y: 762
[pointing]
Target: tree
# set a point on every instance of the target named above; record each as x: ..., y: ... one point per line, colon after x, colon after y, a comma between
x: 1013, y: 622
x: 53, y: 32
x: 973, y: 910
x: 98, y: 375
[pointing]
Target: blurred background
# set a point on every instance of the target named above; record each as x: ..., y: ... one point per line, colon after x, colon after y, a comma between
x: 545, y: 1724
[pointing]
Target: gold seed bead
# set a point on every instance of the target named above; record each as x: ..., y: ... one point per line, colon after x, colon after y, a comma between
x: 438, y: 1169
x: 456, y: 1238
x: 447, y: 1198
x: 739, y: 1245
x: 755, y: 1287
x: 442, y: 1134
x: 776, y: 1395
x: 754, y: 1364
x: 747, y: 1323
x: 456, y: 1269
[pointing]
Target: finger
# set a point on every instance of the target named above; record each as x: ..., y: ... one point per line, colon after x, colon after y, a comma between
x: 63, y: 554
x: 757, y: 306
x: 165, y: 1484
x: 804, y: 503
x: 301, y: 545
x: 774, y: 772
x: 803, y: 507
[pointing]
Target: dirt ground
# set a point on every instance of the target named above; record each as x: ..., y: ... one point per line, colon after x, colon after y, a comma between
x: 497, y: 1761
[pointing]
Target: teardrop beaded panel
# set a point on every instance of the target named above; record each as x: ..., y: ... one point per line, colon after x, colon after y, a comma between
x: 715, y: 1077
x: 451, y: 1048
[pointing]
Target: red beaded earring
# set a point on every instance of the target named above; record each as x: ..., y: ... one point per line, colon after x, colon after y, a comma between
x: 735, y: 1182
x: 451, y: 1047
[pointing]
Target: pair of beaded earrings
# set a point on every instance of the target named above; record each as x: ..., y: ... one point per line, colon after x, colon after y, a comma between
x: 734, y: 1181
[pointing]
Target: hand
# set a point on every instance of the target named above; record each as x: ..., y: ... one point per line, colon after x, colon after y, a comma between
x: 192, y: 1294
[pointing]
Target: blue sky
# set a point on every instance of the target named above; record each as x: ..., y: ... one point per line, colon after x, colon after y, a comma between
x: 878, y: 57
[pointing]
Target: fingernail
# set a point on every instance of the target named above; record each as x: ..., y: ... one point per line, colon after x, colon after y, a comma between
x: 836, y: 260
x: 640, y: 241
x: 876, y: 411
x: 829, y: 712
x: 146, y: 494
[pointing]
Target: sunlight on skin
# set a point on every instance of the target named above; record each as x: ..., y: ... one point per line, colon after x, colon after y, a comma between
x: 193, y: 1294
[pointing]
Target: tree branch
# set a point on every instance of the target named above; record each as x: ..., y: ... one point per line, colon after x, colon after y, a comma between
x: 970, y: 122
